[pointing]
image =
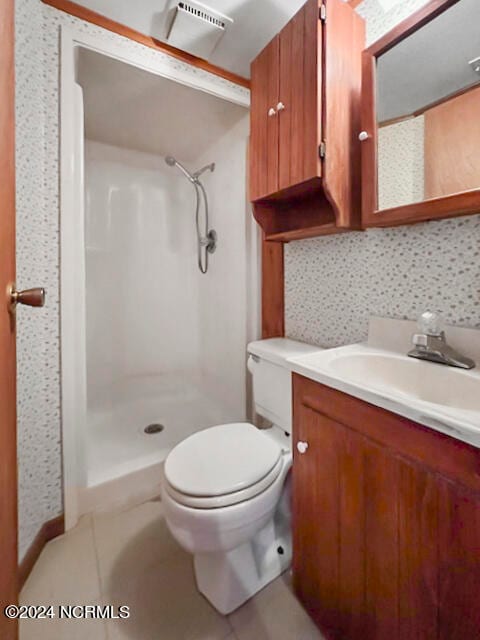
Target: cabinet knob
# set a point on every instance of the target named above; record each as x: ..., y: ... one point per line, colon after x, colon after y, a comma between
x: 363, y: 135
x: 271, y: 112
x: 280, y: 106
x: 302, y: 447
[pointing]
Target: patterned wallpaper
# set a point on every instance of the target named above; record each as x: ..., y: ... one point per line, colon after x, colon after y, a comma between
x: 401, y: 159
x: 38, y: 390
x: 333, y: 284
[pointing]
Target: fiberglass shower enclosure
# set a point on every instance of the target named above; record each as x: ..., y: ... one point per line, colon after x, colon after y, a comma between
x: 164, y: 341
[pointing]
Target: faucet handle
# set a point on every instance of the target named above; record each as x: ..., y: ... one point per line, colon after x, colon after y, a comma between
x: 420, y: 340
x: 430, y: 324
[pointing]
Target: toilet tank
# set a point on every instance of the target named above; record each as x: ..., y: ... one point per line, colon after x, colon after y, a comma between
x: 272, y: 379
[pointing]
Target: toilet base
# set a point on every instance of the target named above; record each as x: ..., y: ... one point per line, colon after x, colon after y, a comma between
x: 228, y: 579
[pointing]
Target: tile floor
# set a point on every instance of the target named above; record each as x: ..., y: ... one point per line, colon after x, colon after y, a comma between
x: 129, y: 558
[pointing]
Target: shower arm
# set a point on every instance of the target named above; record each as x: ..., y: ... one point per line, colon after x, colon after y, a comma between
x: 207, y: 167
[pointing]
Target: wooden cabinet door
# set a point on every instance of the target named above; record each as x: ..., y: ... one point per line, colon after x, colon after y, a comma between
x: 315, y: 517
x: 328, y: 547
x: 417, y: 527
x: 365, y: 530
x: 264, y: 127
x: 400, y: 529
x: 300, y: 94
x: 458, y: 562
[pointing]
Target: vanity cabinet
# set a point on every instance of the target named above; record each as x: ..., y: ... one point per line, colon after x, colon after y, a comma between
x: 305, y: 119
x: 386, y: 522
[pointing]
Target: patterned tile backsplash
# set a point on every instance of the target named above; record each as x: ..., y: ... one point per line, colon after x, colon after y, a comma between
x: 332, y: 284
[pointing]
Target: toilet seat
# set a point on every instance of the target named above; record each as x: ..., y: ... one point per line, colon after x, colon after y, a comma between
x: 215, y: 502
x: 222, y: 466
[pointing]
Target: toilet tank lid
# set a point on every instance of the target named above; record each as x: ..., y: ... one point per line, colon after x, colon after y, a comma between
x: 279, y: 350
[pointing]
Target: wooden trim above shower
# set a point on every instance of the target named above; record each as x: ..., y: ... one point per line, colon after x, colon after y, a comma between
x: 76, y: 10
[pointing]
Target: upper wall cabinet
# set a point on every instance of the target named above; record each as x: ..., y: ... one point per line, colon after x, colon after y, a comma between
x: 304, y: 151
x: 420, y: 117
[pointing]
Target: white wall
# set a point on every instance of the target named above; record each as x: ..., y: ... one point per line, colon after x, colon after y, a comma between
x: 226, y: 301
x: 142, y: 290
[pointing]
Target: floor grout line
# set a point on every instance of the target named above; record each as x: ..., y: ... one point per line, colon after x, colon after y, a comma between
x: 99, y: 573
x: 97, y: 557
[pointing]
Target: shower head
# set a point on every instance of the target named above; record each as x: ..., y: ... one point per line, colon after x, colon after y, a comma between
x: 172, y: 162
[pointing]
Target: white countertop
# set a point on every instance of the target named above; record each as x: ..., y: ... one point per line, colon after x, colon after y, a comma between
x: 456, y: 413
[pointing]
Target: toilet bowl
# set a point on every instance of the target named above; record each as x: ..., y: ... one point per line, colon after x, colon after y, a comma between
x: 226, y: 489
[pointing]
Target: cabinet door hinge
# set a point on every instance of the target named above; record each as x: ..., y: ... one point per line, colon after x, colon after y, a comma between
x: 323, y: 12
x: 322, y: 150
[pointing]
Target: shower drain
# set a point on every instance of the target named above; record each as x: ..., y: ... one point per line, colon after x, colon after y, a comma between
x: 156, y: 427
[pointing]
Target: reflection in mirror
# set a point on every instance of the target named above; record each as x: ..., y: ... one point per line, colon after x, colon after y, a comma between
x: 428, y: 110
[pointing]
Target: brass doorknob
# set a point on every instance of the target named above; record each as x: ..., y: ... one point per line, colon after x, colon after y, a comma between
x: 31, y: 297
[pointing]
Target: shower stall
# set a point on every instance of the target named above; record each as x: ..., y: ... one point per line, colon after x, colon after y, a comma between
x: 164, y: 271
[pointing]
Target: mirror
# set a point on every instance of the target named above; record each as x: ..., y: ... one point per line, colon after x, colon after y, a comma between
x: 428, y: 110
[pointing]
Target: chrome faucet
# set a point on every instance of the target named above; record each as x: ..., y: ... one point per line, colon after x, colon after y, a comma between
x: 430, y: 344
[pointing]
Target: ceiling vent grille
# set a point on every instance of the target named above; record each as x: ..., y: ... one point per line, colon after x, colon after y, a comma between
x: 199, y: 13
x: 196, y: 28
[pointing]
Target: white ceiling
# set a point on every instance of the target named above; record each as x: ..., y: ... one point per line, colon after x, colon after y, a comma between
x: 256, y: 22
x: 131, y: 108
x: 430, y: 64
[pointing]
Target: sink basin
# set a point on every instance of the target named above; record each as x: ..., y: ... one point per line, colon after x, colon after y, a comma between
x: 440, y: 397
x: 425, y: 381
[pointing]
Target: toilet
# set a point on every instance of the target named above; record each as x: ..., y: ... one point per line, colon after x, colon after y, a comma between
x: 226, y: 489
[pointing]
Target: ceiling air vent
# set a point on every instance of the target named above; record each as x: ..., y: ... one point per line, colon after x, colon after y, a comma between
x: 196, y: 28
